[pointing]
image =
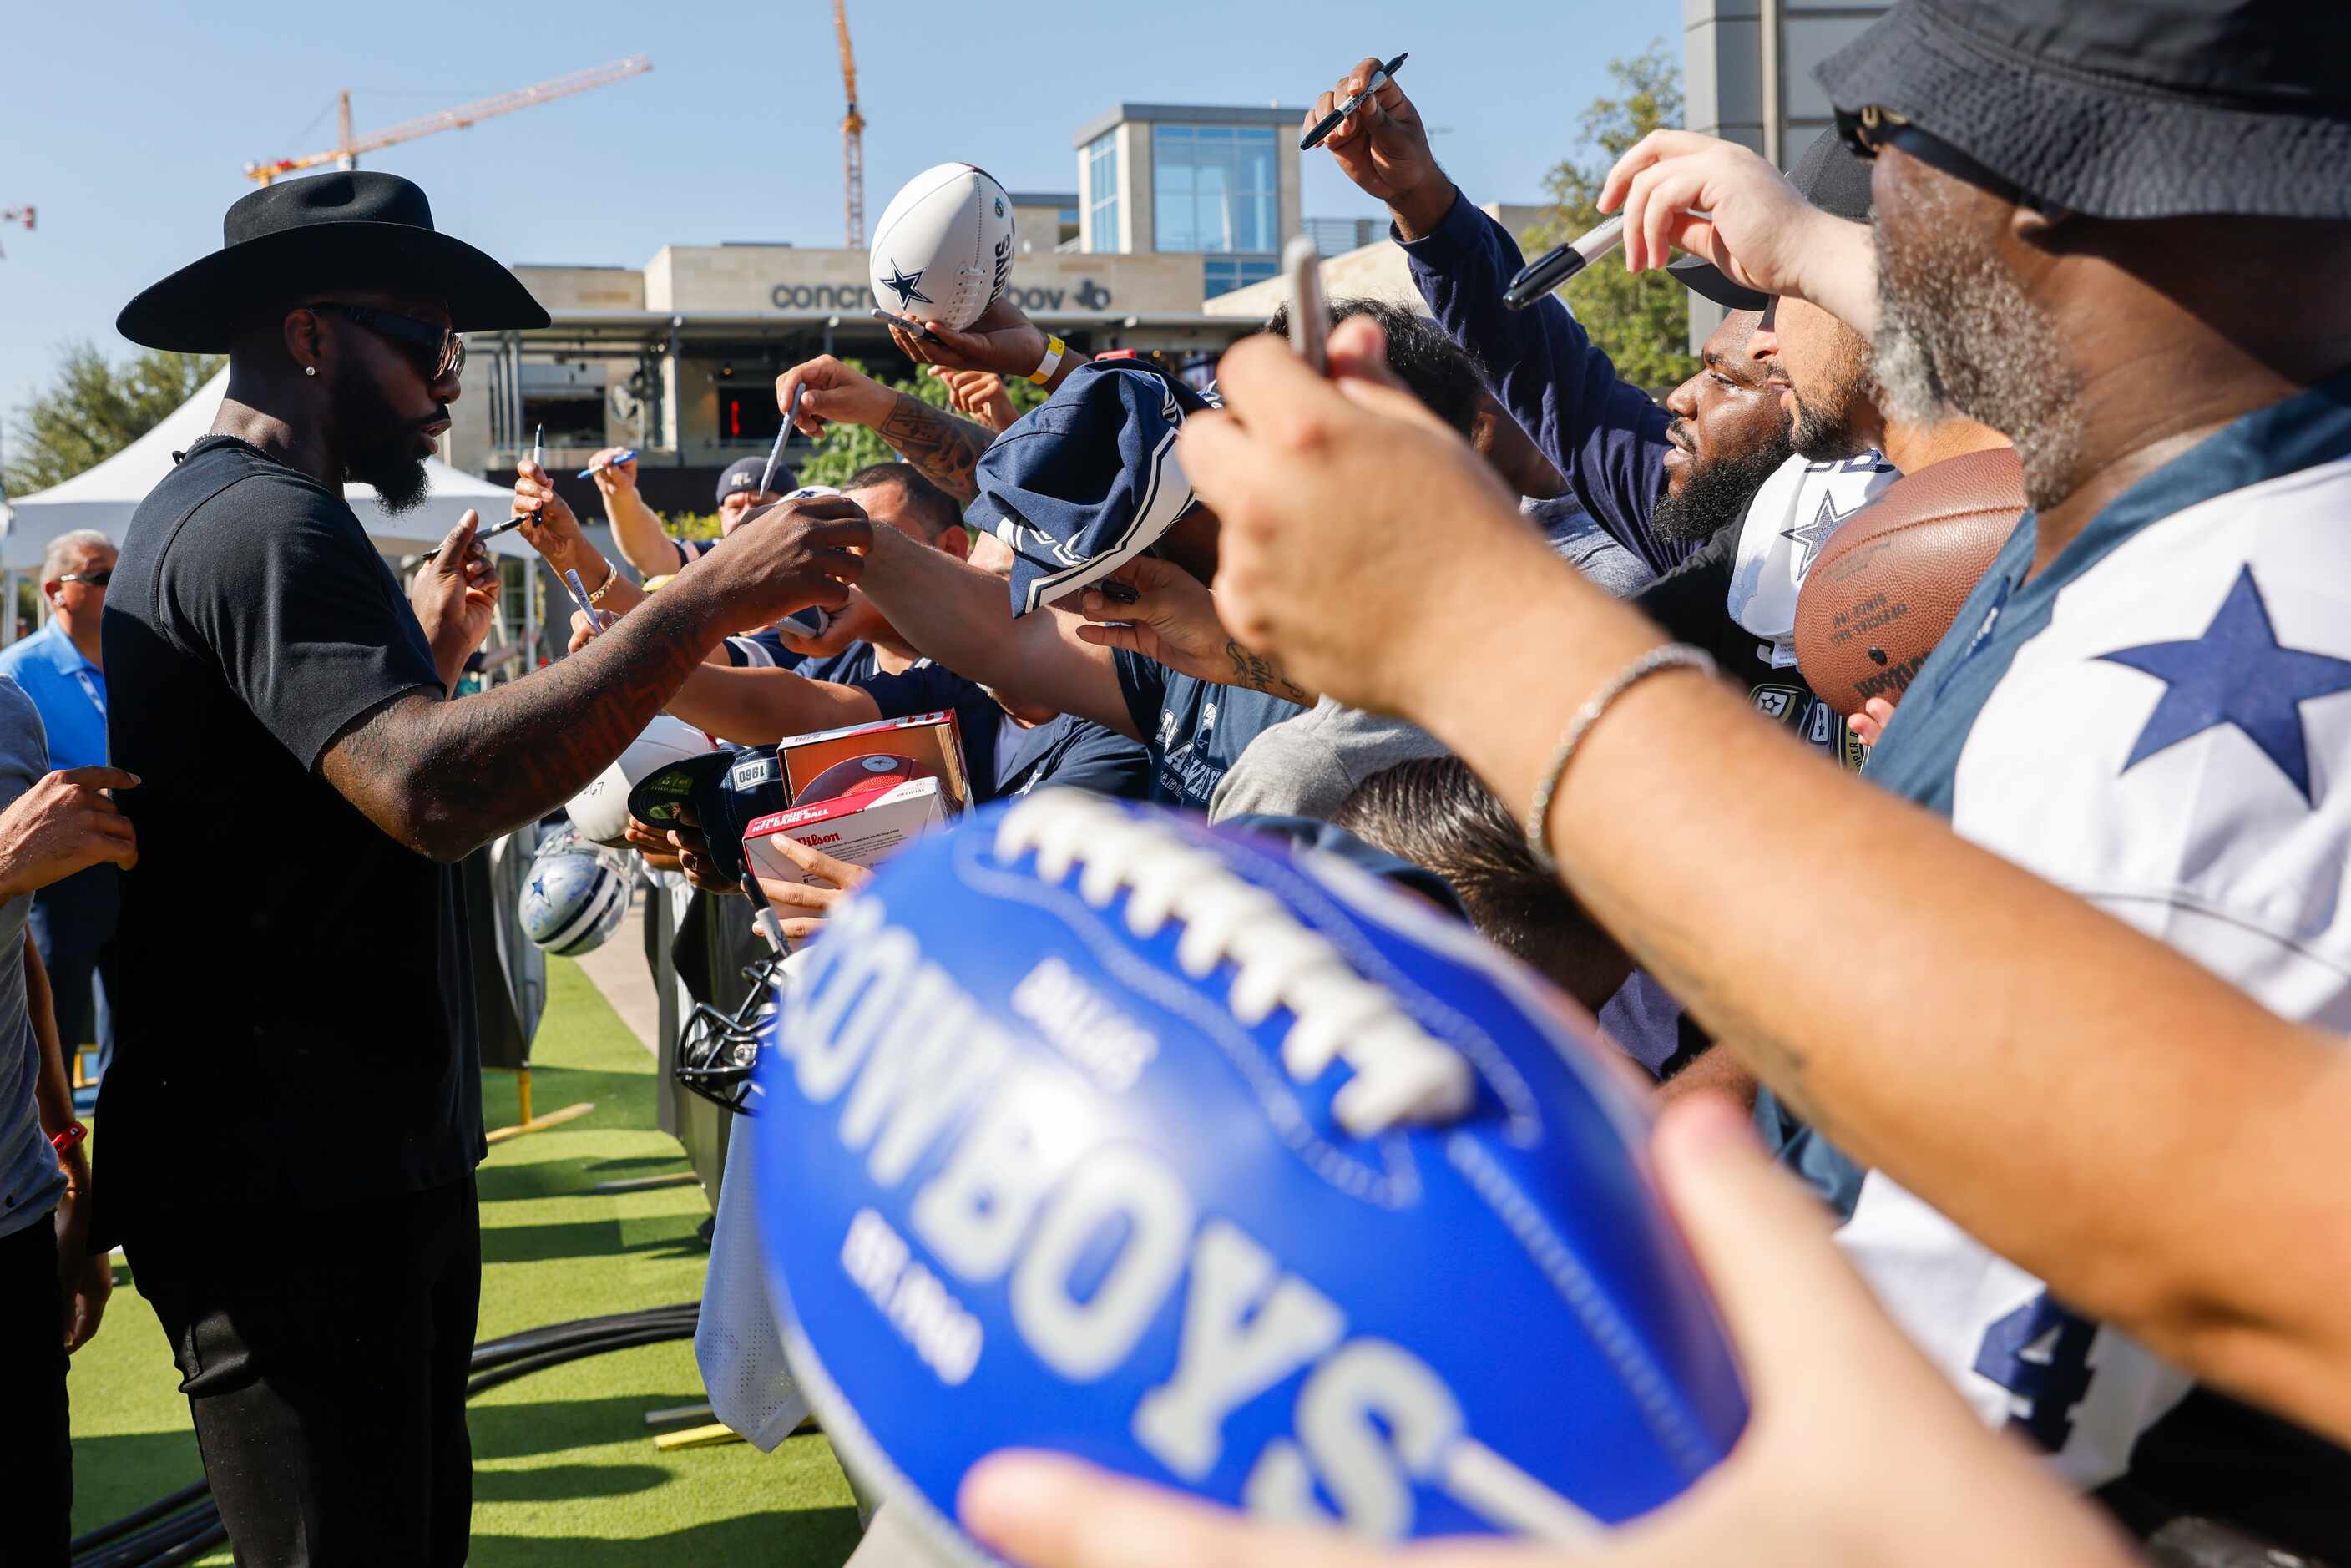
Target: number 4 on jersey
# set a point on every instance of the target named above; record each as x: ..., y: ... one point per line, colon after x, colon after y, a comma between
x: 2040, y: 1353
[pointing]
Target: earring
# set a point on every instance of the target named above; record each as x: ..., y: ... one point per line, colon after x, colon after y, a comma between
x: 309, y: 369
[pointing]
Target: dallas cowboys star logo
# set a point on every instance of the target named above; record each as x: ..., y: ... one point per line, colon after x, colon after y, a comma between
x: 1810, y: 536
x: 2236, y: 674
x: 907, y: 287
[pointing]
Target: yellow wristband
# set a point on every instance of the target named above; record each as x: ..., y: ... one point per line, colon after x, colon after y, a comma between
x: 1054, y: 349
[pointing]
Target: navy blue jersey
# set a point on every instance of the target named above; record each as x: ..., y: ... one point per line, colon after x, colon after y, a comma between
x: 1193, y: 729
x: 761, y: 650
x: 1003, y: 758
x: 1606, y: 435
x: 1070, y: 753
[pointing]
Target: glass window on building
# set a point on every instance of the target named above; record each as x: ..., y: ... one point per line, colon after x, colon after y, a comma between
x: 1214, y: 188
x: 1101, y: 190
x: 1223, y: 274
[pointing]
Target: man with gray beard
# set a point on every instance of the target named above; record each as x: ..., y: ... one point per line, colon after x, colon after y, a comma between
x: 2096, y: 228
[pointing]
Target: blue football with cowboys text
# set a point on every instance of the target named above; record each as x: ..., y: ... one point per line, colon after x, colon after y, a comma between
x: 1085, y: 1127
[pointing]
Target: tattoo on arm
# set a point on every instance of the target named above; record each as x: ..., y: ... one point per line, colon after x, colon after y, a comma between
x: 445, y: 777
x: 946, y: 449
x: 1260, y: 673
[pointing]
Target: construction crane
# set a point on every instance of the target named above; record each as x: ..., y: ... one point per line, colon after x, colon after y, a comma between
x: 853, y: 134
x: 16, y: 216
x: 348, y: 147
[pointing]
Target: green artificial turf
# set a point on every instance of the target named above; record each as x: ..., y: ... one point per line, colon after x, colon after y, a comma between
x: 565, y: 1470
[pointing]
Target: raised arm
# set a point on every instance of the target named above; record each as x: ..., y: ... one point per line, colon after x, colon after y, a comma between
x: 958, y: 615
x: 636, y: 528
x: 1972, y: 1044
x: 1606, y: 436
x: 946, y: 449
x: 443, y: 777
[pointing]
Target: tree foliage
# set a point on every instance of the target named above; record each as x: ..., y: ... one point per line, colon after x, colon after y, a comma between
x: 93, y: 408
x: 1642, y: 323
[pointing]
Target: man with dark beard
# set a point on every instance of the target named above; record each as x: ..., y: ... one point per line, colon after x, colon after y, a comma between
x: 2087, y: 220
x: 293, y: 1115
x: 1608, y: 438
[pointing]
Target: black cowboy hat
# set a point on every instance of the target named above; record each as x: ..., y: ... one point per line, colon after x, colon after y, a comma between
x: 2119, y: 109
x: 356, y: 229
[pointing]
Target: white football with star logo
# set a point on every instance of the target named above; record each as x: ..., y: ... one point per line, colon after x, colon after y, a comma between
x: 942, y: 250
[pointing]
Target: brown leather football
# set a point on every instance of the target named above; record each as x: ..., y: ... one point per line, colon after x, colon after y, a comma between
x: 1889, y: 583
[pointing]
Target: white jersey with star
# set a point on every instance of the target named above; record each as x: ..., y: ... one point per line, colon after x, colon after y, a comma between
x: 2161, y: 722
x: 1791, y: 517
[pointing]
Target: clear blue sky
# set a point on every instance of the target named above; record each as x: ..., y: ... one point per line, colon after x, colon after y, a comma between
x: 127, y: 125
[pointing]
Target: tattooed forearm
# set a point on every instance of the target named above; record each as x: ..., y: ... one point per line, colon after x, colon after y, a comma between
x: 946, y: 449
x: 1260, y: 673
x: 444, y: 778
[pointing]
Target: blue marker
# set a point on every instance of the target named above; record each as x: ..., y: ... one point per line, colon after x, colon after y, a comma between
x: 629, y: 456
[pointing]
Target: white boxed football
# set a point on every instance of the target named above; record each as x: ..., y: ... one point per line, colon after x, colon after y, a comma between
x: 942, y: 250
x: 601, y: 812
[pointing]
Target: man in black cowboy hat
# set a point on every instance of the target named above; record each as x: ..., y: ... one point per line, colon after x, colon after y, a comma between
x: 294, y: 1115
x: 2117, y: 232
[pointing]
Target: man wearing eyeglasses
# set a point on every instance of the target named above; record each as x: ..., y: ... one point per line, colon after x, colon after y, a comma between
x: 295, y: 1115
x: 72, y: 921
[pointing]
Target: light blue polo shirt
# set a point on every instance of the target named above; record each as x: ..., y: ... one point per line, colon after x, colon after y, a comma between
x: 69, y: 691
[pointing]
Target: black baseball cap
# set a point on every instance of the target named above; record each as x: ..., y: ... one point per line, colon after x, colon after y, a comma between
x: 743, y: 475
x: 1830, y: 177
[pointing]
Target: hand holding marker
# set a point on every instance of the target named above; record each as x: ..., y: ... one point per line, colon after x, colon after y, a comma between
x: 617, y: 458
x: 1331, y: 121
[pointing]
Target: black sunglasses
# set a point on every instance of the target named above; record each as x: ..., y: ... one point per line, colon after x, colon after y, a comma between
x: 1870, y: 130
x: 447, y: 350
x: 95, y: 579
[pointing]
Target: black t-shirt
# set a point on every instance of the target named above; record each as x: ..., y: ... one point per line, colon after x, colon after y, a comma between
x: 1193, y: 730
x: 1692, y: 602
x: 297, y: 1019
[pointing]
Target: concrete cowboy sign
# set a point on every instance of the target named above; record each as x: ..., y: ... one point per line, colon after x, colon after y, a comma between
x: 858, y: 297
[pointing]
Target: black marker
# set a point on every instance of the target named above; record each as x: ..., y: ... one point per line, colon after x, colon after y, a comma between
x: 510, y: 525
x: 1329, y: 122
x: 1547, y: 272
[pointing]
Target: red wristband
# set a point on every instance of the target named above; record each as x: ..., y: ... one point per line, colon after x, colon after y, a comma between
x: 74, y: 1134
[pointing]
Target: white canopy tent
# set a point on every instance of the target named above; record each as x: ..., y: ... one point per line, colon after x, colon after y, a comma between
x: 103, y: 498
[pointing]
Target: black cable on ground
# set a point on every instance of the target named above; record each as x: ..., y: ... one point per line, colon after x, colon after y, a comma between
x: 182, y: 1527
x: 139, y: 1518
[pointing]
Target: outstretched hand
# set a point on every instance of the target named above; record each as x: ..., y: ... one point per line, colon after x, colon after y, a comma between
x: 1002, y: 340
x: 456, y: 596
x: 1384, y: 148
x: 553, y: 530
x: 1172, y: 620
x: 64, y: 823
x: 803, y: 905
x: 1716, y: 199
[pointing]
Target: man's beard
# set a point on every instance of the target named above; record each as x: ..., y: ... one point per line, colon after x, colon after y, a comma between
x: 1717, y: 492
x: 1955, y: 331
x: 1824, y: 421
x: 380, y: 447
